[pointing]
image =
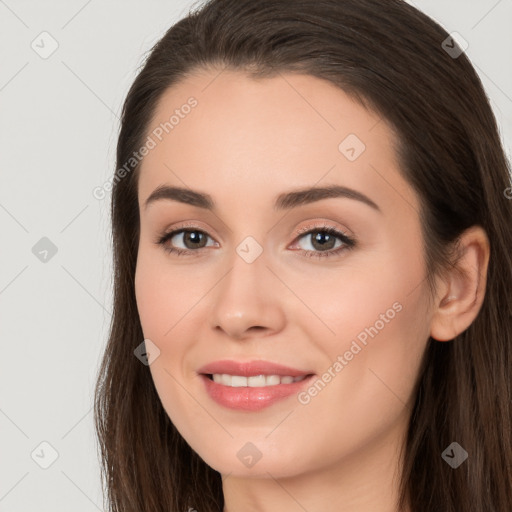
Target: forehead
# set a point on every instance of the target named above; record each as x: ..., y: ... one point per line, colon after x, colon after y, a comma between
x: 221, y: 130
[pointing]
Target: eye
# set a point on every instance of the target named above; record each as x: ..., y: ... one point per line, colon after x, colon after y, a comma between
x: 193, y: 239
x: 324, y: 241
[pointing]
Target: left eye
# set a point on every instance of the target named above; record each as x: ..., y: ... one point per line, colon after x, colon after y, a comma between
x: 321, y: 241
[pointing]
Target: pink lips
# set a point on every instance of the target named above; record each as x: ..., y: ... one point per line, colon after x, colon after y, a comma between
x: 251, y: 398
x: 250, y: 368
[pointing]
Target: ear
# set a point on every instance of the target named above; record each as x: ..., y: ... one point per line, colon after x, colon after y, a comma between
x: 462, y: 290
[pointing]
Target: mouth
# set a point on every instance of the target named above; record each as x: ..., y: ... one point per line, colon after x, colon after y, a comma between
x: 250, y: 369
x: 252, y: 386
x: 255, y: 381
x: 253, y: 393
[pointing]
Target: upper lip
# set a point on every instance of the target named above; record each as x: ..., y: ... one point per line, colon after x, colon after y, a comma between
x: 250, y: 368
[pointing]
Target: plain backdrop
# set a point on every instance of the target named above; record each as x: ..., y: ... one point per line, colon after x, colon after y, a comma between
x: 58, y: 128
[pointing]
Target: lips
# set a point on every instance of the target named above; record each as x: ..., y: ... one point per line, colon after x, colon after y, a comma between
x: 250, y: 397
x: 251, y: 369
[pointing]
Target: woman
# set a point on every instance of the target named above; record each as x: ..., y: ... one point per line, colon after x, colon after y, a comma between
x: 311, y: 248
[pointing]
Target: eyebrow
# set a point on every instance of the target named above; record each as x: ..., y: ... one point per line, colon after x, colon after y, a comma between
x: 284, y: 201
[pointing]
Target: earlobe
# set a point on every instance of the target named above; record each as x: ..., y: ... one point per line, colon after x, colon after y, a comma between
x: 463, y: 290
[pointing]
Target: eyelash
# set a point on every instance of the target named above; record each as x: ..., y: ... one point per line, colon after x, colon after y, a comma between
x: 348, y: 242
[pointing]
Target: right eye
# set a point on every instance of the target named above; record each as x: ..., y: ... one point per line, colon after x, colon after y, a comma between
x: 194, y: 238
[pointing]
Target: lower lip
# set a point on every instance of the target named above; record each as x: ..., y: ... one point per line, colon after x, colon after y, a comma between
x: 251, y: 399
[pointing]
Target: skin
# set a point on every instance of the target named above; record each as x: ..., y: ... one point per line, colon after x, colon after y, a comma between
x: 245, y: 143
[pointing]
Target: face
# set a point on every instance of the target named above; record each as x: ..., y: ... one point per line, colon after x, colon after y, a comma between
x: 331, y: 286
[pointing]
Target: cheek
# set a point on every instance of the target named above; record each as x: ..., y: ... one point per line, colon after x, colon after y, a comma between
x: 163, y: 293
x: 374, y: 315
x: 342, y: 304
x: 151, y: 299
x: 381, y: 331
x: 163, y: 299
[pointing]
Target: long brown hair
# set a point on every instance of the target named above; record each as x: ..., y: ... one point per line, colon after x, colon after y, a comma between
x: 391, y: 58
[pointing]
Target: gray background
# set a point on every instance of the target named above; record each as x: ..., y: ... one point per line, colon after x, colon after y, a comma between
x: 58, y: 129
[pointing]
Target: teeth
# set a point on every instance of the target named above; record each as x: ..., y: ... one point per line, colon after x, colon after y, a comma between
x: 238, y: 381
x: 254, y: 382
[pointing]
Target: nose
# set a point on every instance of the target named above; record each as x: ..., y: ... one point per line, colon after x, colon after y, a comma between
x: 247, y: 302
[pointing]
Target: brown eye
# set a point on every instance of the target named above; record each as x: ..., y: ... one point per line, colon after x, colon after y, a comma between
x: 183, y: 241
x: 322, y: 240
x: 193, y: 239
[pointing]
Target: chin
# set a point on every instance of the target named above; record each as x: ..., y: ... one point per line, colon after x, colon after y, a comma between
x: 243, y: 459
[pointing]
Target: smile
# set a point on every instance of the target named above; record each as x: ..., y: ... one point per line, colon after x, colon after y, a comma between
x: 239, y: 381
x: 250, y: 393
